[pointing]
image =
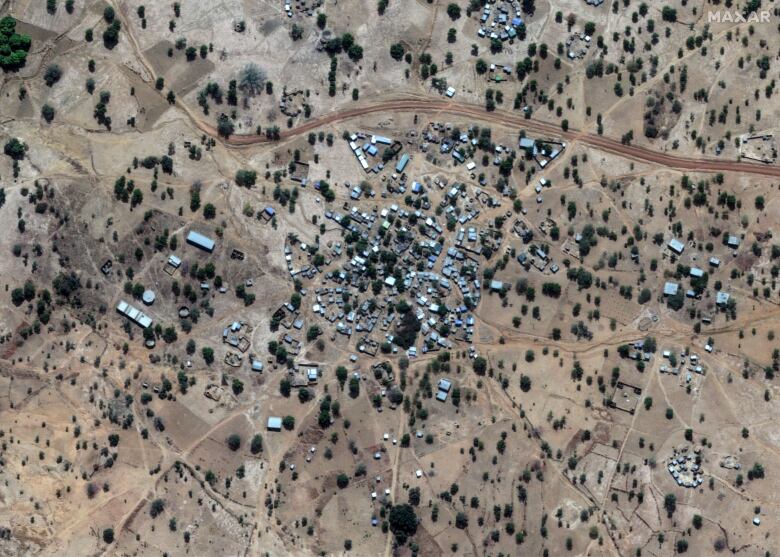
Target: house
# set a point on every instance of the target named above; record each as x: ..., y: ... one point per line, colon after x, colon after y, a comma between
x: 174, y: 261
x: 527, y: 144
x: 722, y: 298
x: 714, y: 261
x: 200, y: 241
x: 445, y: 385
x: 676, y: 246
x: 496, y: 285
x: 257, y: 366
x: 670, y: 288
x: 450, y: 92
x: 696, y: 272
x: 732, y: 241
x: 134, y: 314
x: 274, y: 423
x: 402, y: 163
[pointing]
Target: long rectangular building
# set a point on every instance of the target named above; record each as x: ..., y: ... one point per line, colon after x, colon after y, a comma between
x: 134, y: 314
x: 200, y: 241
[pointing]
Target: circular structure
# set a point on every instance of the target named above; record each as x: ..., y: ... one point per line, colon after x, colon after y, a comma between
x: 685, y: 468
x: 148, y: 297
x: 184, y: 311
x: 150, y: 343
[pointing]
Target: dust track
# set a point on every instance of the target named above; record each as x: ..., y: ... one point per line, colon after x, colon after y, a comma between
x: 504, y: 118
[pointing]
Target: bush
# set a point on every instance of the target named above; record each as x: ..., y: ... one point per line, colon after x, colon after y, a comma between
x: 288, y: 422
x: 52, y: 74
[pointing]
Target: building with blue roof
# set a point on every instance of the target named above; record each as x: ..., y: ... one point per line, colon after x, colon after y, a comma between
x: 200, y: 241
x: 402, y: 163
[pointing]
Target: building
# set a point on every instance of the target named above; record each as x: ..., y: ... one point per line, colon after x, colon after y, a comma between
x: 722, y: 298
x: 134, y: 314
x: 671, y: 288
x: 274, y: 423
x: 148, y: 297
x: 402, y: 163
x: 527, y: 144
x: 732, y: 241
x: 676, y: 246
x: 200, y: 241
x: 444, y: 389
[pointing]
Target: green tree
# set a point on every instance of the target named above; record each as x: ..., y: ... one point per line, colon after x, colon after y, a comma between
x: 402, y: 521
x: 233, y: 442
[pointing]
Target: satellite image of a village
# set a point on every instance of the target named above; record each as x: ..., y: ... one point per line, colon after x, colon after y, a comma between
x: 481, y: 278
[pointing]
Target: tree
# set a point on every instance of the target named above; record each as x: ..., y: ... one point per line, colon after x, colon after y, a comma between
x: 354, y: 387
x: 13, y: 46
x: 461, y: 520
x: 251, y: 79
x: 156, y: 508
x: 234, y: 442
x: 481, y: 66
x: 669, y: 14
x: 108, y: 535
x: 453, y: 10
x: 209, y: 211
x: 111, y: 34
x: 402, y: 521
x: 525, y: 383
x: 52, y: 74
x: 342, y: 480
x: 47, y: 112
x: 670, y: 504
x: 341, y: 375
x: 225, y: 126
x: 288, y: 422
x: 397, y: 51
x: 256, y: 446
x: 208, y: 355
x: 479, y: 364
x: 246, y: 178
x: 15, y: 149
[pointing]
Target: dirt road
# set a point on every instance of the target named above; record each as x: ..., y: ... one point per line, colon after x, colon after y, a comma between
x: 502, y: 117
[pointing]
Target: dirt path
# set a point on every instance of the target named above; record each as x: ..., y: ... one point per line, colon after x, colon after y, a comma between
x: 508, y: 119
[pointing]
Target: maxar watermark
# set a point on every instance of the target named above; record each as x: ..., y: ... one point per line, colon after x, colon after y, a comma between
x: 726, y: 16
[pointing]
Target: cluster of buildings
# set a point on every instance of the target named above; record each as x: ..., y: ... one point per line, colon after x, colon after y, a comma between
x: 685, y: 468
x: 500, y: 21
x: 543, y: 152
x: 367, y: 148
x: 697, y: 275
x: 675, y: 366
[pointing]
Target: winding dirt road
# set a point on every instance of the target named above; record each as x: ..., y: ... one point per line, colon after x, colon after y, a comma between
x: 504, y: 118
